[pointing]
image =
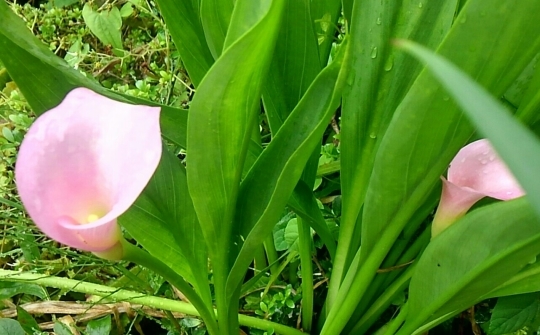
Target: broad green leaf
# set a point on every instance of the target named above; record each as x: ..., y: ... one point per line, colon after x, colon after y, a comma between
x: 60, y: 329
x: 45, y: 79
x: 427, y: 128
x: 511, y: 314
x: 272, y: 179
x: 222, y: 115
x: 290, y: 235
x: 379, y: 80
x: 529, y: 110
x: 279, y: 232
x: 526, y: 281
x: 215, y: 19
x: 11, y: 327
x: 325, y: 14
x: 304, y: 203
x: 183, y: 22
x: 347, y: 11
x: 294, y: 66
x: 163, y: 221
x: 26, y: 321
x: 126, y: 10
x: 190, y: 322
x: 492, y: 120
x: 101, y: 326
x: 105, y: 25
x: 4, y: 77
x: 9, y: 289
x: 516, y: 92
x: 471, y: 258
x: 64, y: 3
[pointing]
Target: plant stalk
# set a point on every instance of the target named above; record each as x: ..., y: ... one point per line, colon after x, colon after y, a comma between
x: 114, y: 294
x: 141, y: 257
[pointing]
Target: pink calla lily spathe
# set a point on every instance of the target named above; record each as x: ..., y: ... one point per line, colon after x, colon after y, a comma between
x: 84, y: 163
x: 475, y: 172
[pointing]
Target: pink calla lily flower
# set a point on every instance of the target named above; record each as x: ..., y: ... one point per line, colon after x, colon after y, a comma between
x: 475, y: 172
x: 83, y: 163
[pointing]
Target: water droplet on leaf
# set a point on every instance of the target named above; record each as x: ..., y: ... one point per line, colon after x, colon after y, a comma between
x: 389, y: 63
x: 374, y: 52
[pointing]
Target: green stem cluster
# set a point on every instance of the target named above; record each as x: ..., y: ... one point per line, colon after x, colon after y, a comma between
x: 114, y: 294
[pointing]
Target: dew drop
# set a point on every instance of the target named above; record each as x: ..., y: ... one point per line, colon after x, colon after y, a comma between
x: 420, y: 5
x: 491, y: 158
x: 463, y: 19
x: 446, y: 98
x: 389, y: 63
x: 373, y: 135
x: 509, y: 193
x: 484, y: 161
x: 463, y: 160
x: 379, y: 21
x: 374, y: 52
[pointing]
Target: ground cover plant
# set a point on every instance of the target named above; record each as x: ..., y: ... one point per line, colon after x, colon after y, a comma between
x: 273, y: 166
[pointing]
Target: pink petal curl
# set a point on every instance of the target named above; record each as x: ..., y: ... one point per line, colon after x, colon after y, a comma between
x: 475, y: 172
x: 84, y: 163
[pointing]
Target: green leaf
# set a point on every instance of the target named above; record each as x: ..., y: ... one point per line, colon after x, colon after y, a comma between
x: 101, y: 326
x: 64, y: 3
x: 164, y: 222
x: 183, y: 22
x: 26, y: 321
x: 105, y: 25
x: 295, y: 64
x: 10, y: 289
x: 528, y: 110
x: 45, y: 79
x: 516, y: 92
x: 279, y: 232
x: 492, y: 120
x: 513, y: 313
x: 11, y: 327
x: 272, y: 179
x: 222, y: 115
x: 325, y: 14
x: 526, y: 281
x: 61, y: 329
x: 304, y: 203
x: 429, y: 128
x: 464, y: 263
x: 126, y: 10
x: 191, y: 322
x: 291, y: 234
x: 378, y: 82
x: 215, y: 18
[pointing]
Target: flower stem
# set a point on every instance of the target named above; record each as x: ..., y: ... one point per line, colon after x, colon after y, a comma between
x: 141, y: 257
x: 306, y: 267
x: 115, y: 294
x: 396, y: 323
